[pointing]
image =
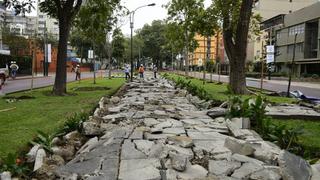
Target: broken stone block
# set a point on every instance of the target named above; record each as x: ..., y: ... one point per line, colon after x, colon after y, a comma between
x: 91, y: 129
x: 130, y: 152
x: 245, y: 159
x: 224, y: 168
x: 266, y: 174
x: 178, y: 162
x: 217, y: 112
x: 239, y: 146
x: 193, y: 172
x: 31, y: 156
x: 293, y: 167
x: 41, y: 155
x: 144, y: 146
x: 246, y: 170
x: 182, y: 141
x: 138, y: 169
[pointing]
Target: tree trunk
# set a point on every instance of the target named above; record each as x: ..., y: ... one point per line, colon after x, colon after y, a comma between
x: 236, y: 47
x: 60, y: 87
x: 238, y: 76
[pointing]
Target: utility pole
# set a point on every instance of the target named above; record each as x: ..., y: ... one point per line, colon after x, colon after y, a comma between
x: 262, y: 66
x: 292, y: 64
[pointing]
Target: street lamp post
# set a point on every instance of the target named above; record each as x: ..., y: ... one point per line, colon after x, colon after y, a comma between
x: 131, y: 27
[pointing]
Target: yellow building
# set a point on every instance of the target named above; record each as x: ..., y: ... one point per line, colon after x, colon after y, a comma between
x: 199, y: 55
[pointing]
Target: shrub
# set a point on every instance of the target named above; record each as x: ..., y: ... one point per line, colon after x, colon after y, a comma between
x: 284, y: 137
x: 44, y: 140
x: 74, y: 123
x: 13, y: 164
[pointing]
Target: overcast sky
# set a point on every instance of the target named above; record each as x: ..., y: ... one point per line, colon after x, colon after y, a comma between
x: 144, y: 15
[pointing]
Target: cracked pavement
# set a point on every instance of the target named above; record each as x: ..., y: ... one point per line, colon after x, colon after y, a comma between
x: 155, y: 132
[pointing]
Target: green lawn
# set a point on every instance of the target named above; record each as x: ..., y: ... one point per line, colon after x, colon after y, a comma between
x: 220, y: 91
x: 46, y: 113
x: 311, y: 136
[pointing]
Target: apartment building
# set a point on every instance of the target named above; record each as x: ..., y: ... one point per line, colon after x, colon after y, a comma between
x: 47, y: 25
x: 268, y: 9
x: 2, y: 13
x: 199, y: 56
x: 21, y: 25
x: 305, y: 23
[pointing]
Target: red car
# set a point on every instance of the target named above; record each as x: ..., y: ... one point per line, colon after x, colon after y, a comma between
x: 4, y: 74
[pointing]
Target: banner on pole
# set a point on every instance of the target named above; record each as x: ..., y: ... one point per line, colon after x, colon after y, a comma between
x: 90, y: 54
x: 49, y: 53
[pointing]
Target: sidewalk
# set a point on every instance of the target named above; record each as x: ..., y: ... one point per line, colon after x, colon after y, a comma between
x: 225, y: 78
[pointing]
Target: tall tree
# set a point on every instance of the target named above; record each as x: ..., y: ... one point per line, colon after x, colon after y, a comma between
x: 118, y: 46
x: 236, y: 16
x: 94, y: 21
x: 65, y: 11
x: 184, y: 13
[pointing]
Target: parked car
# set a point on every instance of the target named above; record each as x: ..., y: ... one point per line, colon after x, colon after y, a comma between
x: 4, y: 74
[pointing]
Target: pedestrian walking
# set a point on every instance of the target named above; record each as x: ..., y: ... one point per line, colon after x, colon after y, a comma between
x: 141, y: 71
x: 14, y: 68
x: 155, y: 70
x: 2, y: 80
x: 127, y: 72
x: 78, y: 72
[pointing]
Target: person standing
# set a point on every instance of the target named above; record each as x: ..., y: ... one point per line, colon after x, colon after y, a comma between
x: 155, y: 70
x: 78, y: 72
x: 14, y: 68
x: 127, y: 72
x: 141, y: 71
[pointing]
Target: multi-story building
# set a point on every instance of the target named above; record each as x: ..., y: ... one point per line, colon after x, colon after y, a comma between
x: 47, y: 25
x: 21, y: 25
x: 199, y: 56
x: 2, y: 13
x: 305, y: 23
x: 268, y: 9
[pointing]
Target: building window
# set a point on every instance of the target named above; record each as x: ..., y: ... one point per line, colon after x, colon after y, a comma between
x: 290, y: 49
x: 278, y: 35
x: 299, y: 48
x: 298, y: 29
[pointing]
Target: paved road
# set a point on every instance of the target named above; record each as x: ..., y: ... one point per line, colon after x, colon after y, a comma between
x: 25, y: 83
x: 309, y: 89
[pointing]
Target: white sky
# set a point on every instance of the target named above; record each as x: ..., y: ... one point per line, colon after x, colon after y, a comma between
x: 147, y: 14
x: 144, y: 15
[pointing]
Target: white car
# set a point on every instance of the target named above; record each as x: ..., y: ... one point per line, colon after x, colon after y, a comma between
x: 4, y: 73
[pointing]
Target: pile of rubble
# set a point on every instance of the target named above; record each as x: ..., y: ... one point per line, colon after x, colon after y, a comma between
x: 154, y: 132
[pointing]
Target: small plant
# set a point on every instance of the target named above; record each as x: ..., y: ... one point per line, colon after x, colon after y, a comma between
x: 15, y: 165
x: 74, y: 123
x: 286, y: 138
x: 44, y: 140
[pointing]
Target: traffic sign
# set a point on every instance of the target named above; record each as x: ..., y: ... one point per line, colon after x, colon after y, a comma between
x: 270, y: 58
x: 270, y: 49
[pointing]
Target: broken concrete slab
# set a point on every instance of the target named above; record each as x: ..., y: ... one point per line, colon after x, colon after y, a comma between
x: 224, y: 168
x: 239, y: 146
x: 130, y: 152
x: 293, y: 167
x: 140, y: 169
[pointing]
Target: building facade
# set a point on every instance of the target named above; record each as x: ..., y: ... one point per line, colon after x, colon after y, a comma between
x: 47, y: 26
x: 198, y: 57
x: 305, y: 24
x: 268, y: 9
x: 21, y: 25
